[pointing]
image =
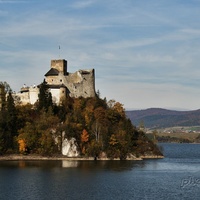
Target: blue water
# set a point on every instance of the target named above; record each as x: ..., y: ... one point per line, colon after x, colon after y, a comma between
x: 177, y: 176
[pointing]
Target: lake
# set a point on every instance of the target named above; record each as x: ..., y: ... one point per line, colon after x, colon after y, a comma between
x: 177, y: 176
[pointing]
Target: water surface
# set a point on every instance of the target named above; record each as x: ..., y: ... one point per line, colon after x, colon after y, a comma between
x: 177, y: 176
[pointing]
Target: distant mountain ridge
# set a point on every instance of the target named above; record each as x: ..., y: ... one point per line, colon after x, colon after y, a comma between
x: 162, y: 118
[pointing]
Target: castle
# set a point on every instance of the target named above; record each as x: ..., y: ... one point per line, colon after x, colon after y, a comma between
x: 61, y: 83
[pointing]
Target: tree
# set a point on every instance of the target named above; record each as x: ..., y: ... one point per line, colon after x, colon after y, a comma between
x: 84, y: 136
x: 47, y: 127
x: 84, y: 140
x: 44, y: 97
x: 22, y: 146
x: 2, y: 116
x: 118, y: 107
x: 8, y: 117
x: 6, y: 87
x: 40, y: 135
x: 98, y: 93
x: 30, y: 137
x: 2, y: 96
x: 94, y: 149
x: 11, y: 118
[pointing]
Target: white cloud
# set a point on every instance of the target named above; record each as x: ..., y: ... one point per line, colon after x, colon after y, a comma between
x: 139, y: 53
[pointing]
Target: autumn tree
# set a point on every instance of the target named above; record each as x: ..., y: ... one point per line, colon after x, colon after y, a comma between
x: 84, y: 140
x: 119, y: 145
x: 22, y: 146
x: 30, y: 137
x: 40, y: 135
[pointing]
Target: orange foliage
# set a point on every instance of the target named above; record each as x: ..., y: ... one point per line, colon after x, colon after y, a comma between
x: 22, y: 146
x: 84, y: 136
x: 84, y: 140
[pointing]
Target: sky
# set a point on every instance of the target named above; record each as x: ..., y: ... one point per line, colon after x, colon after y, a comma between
x: 145, y: 53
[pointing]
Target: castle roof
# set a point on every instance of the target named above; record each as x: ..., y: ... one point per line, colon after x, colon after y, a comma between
x: 52, y: 72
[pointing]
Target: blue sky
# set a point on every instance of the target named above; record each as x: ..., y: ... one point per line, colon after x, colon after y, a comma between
x: 146, y: 53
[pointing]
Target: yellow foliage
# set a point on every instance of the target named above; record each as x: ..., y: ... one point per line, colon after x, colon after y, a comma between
x: 113, y: 140
x: 119, y: 108
x: 22, y: 145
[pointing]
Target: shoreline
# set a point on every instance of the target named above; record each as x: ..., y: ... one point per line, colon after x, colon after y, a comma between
x: 17, y: 157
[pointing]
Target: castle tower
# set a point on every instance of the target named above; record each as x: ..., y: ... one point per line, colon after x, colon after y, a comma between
x: 60, y: 65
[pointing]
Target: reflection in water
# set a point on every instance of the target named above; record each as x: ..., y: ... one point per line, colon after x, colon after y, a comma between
x: 85, y: 165
x: 22, y: 164
x: 116, y: 165
x: 68, y: 164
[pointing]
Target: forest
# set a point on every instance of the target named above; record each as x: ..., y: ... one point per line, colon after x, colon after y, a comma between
x: 99, y: 126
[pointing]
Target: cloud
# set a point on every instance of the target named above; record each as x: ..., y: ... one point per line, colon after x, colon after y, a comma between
x: 139, y: 50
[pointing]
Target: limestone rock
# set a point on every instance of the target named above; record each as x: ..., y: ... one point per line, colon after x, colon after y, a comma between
x: 70, y: 147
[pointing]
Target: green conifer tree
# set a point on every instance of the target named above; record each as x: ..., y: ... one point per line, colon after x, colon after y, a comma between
x: 44, y: 97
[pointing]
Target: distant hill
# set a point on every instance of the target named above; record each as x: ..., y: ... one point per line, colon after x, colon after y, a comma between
x: 162, y: 118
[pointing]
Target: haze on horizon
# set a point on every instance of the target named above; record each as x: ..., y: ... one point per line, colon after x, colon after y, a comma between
x: 145, y: 53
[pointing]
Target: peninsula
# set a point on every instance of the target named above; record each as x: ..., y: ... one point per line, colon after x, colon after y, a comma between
x: 65, y: 118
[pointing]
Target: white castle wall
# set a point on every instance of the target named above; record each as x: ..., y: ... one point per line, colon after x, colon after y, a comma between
x: 28, y: 96
x: 55, y: 92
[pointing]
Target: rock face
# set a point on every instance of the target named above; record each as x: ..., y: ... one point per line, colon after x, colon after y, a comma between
x: 69, y: 147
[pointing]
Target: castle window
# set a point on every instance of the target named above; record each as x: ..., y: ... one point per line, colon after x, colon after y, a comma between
x: 60, y: 80
x: 52, y: 80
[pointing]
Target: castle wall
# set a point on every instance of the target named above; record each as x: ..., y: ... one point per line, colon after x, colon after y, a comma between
x: 30, y: 96
x: 63, y: 93
x: 55, y: 92
x: 81, y: 83
x: 55, y: 80
x: 22, y: 98
x: 33, y: 94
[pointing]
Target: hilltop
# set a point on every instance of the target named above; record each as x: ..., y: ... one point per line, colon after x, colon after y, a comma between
x: 162, y: 118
